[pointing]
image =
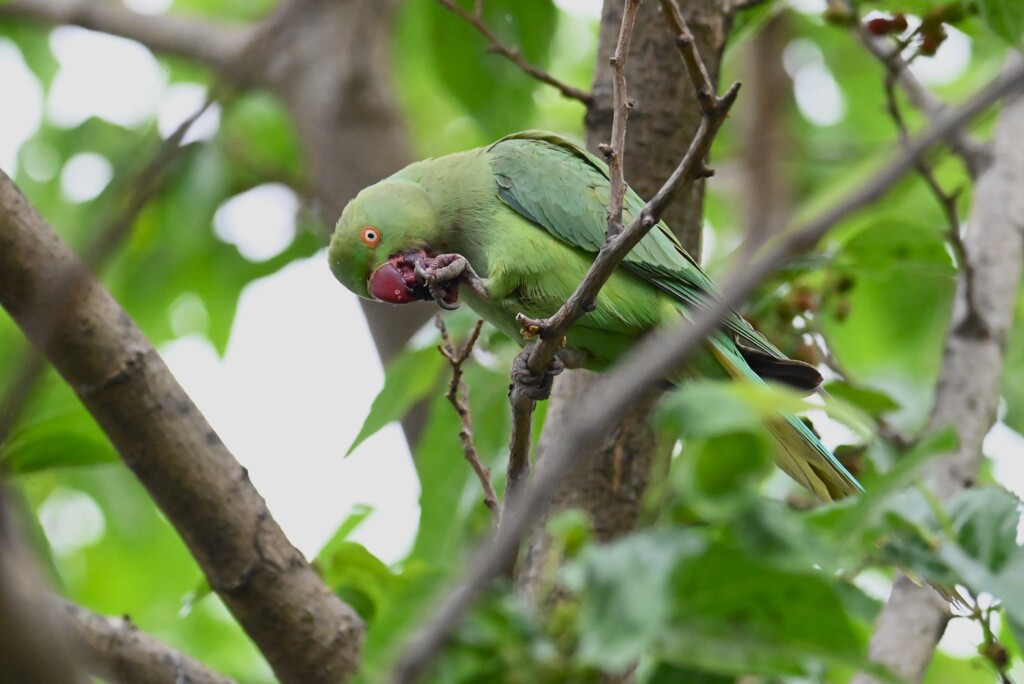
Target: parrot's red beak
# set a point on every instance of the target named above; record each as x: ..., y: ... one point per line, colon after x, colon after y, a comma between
x: 387, y: 284
x: 396, y: 282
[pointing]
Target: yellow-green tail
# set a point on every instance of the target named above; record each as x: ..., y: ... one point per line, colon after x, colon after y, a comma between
x: 799, y: 452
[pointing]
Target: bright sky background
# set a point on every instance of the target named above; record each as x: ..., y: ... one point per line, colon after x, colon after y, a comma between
x: 300, y: 370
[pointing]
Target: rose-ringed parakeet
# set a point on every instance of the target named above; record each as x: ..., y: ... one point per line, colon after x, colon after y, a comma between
x: 513, y: 228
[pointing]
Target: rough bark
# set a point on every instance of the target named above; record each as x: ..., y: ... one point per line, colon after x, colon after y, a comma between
x: 305, y: 632
x: 665, y: 114
x: 115, y: 650
x: 767, y: 193
x: 967, y: 396
x: 610, y: 485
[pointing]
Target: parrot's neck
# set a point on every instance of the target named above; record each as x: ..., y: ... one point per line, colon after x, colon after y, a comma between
x: 462, y: 189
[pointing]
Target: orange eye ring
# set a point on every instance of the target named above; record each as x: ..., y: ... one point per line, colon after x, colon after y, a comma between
x: 370, y: 236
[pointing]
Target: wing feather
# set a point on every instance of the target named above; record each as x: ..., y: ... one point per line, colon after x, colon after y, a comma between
x: 573, y: 208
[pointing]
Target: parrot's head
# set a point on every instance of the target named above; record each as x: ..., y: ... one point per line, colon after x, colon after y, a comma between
x: 382, y: 234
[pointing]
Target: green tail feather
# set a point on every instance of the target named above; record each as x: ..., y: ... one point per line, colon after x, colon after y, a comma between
x: 799, y: 453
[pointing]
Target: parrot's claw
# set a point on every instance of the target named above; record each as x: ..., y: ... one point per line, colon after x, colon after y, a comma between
x: 438, y: 294
x: 438, y: 274
x: 534, y: 386
x: 441, y: 269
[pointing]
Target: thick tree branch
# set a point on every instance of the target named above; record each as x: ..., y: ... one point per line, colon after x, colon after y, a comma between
x: 968, y: 391
x: 652, y: 360
x: 115, y: 650
x: 767, y: 190
x: 305, y: 632
x: 609, y: 483
x: 203, y: 41
x: 475, y: 19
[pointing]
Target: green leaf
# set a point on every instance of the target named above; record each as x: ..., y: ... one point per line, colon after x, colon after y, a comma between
x: 872, y: 401
x: 733, y: 614
x: 352, y: 572
x: 1004, y: 17
x: 725, y: 465
x: 360, y: 512
x: 494, y: 91
x: 67, y: 439
x: 897, y: 285
x: 869, y: 506
x: 408, y: 378
x: 985, y: 520
x: 451, y: 499
x: 705, y: 409
x: 624, y: 586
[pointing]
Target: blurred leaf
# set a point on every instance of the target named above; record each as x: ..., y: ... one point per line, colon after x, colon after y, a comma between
x: 1013, y: 369
x: 495, y: 92
x: 869, y: 400
x: 1004, y: 17
x: 706, y: 606
x: 985, y: 520
x: 726, y: 464
x: 360, y: 512
x: 866, y: 508
x: 706, y: 408
x: 667, y: 673
x: 733, y: 614
x: 64, y: 440
x: 353, y: 572
x: 623, y: 587
x: 887, y: 324
x: 451, y: 500
x: 257, y: 132
x: 969, y: 540
x: 408, y: 378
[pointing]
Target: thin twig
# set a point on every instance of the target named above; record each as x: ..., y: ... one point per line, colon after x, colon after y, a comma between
x: 695, y: 66
x: 615, y: 152
x: 458, y: 396
x: 552, y: 331
x: 523, y: 406
x: 976, y: 155
x: 476, y: 20
x: 654, y: 358
x: 947, y: 202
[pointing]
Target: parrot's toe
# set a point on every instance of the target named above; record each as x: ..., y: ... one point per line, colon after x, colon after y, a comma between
x: 533, y: 385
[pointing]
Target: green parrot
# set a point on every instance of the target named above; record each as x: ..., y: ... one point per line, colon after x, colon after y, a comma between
x: 514, y: 227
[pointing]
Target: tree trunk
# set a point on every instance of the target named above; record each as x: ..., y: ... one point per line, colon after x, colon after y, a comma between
x: 663, y: 121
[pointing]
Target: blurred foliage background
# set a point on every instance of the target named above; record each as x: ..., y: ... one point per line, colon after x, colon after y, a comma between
x: 733, y: 574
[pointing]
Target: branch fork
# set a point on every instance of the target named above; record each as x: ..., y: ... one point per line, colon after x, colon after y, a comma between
x: 458, y: 397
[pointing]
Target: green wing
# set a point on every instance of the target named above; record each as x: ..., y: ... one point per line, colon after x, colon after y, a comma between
x: 565, y: 190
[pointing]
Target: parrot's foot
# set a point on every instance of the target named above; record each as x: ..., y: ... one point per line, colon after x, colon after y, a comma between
x: 538, y: 387
x: 535, y: 386
x: 439, y: 273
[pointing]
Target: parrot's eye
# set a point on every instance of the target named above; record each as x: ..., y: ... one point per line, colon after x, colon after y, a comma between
x: 370, y: 236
